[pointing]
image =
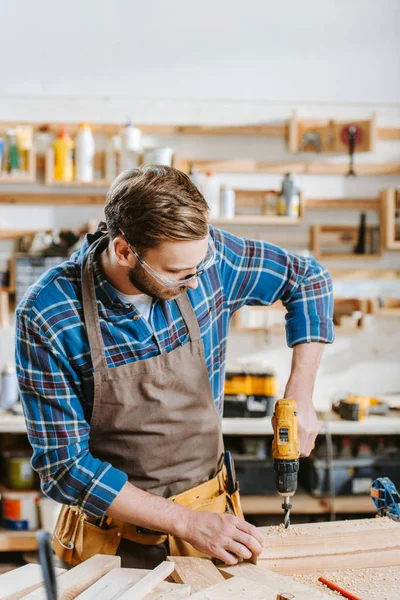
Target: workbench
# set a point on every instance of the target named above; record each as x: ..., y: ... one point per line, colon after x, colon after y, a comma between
x: 305, y: 504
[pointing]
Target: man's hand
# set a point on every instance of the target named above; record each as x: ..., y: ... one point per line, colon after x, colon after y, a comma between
x: 222, y: 536
x: 308, y: 428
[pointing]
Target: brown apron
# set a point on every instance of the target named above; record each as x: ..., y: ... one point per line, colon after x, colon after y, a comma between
x: 154, y: 419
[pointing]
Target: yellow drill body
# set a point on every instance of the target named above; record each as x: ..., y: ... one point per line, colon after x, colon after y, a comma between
x: 286, y: 451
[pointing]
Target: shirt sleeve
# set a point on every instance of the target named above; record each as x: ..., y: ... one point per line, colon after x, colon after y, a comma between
x: 259, y: 273
x: 57, y: 430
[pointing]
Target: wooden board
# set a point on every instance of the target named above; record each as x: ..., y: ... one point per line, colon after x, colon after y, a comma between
x: 117, y: 581
x: 150, y: 581
x: 19, y: 582
x: 236, y: 588
x: 72, y: 583
x: 278, y: 584
x: 331, y: 546
x: 199, y: 573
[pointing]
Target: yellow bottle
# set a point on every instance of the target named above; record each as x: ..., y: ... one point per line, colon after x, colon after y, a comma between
x: 63, y: 157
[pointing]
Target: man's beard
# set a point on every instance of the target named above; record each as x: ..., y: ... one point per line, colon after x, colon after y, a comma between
x: 148, y: 285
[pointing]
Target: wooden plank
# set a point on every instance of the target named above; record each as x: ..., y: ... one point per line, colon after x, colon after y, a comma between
x: 235, y: 588
x: 331, y: 546
x: 199, y: 573
x: 17, y: 541
x: 169, y: 591
x: 117, y: 581
x: 19, y: 582
x: 279, y: 584
x: 149, y: 582
x: 52, y: 199
x: 72, y: 583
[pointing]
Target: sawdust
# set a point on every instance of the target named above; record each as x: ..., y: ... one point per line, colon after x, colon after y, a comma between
x: 382, y: 582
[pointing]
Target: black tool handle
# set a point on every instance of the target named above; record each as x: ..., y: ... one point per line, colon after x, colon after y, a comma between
x: 47, y: 564
x: 230, y: 468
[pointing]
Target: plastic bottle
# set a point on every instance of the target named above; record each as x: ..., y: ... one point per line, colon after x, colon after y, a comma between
x: 289, y: 199
x: 63, y: 157
x: 194, y: 177
x: 9, y: 387
x: 211, y: 192
x: 112, y: 157
x: 227, y: 203
x: 84, y: 154
x: 131, y: 147
x: 13, y: 154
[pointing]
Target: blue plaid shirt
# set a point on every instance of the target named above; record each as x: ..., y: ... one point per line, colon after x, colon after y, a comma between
x: 53, y: 359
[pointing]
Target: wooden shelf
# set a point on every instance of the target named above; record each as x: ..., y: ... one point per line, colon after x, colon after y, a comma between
x: 280, y: 129
x: 28, y: 177
x: 54, y: 199
x: 304, y: 504
x: 256, y: 220
x: 358, y: 204
x: 17, y: 541
x: 391, y: 205
x: 97, y: 183
x: 298, y: 168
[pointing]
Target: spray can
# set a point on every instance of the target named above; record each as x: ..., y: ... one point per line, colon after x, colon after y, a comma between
x: 84, y: 154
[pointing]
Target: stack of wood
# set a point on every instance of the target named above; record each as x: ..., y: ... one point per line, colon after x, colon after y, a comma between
x: 309, y: 550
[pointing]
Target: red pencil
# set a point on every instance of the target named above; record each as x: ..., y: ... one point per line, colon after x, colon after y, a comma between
x: 337, y: 588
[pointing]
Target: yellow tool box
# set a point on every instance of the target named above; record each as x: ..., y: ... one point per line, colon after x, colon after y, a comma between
x: 250, y: 394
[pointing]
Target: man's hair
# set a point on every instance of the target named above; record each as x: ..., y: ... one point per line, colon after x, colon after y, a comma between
x: 154, y: 204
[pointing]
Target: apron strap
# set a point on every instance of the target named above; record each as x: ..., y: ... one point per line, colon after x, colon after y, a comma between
x: 189, y: 317
x: 90, y: 311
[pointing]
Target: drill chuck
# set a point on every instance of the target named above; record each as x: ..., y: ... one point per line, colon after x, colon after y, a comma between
x: 286, y: 476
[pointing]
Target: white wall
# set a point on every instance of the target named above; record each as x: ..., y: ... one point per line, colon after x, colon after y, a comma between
x: 310, y: 51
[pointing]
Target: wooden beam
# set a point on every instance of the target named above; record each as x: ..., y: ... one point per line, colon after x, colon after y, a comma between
x: 199, y: 573
x: 19, y: 582
x: 331, y: 546
x: 72, y: 583
x: 149, y: 582
x: 169, y: 591
x: 279, y: 584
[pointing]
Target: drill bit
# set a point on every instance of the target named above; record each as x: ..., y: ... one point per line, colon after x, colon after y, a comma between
x: 286, y: 507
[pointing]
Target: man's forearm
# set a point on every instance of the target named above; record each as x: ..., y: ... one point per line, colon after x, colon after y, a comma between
x: 305, y: 363
x: 300, y: 387
x: 133, y: 505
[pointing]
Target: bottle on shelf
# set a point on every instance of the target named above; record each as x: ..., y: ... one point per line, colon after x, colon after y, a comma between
x: 24, y: 135
x: 227, y: 208
x: 195, y: 176
x: 63, y: 156
x: 13, y: 153
x: 112, y: 157
x: 131, y: 147
x: 211, y: 190
x: 2, y: 146
x: 84, y: 154
x: 289, y: 201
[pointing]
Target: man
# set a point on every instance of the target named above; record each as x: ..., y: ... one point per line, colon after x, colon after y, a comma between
x: 121, y: 360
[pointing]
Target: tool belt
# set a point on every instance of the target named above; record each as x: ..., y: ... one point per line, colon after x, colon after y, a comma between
x: 77, y: 536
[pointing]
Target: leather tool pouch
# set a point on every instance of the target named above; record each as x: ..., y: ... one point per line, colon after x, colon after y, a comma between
x: 77, y: 537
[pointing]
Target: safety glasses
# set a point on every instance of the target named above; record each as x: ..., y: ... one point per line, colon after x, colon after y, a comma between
x: 205, y: 264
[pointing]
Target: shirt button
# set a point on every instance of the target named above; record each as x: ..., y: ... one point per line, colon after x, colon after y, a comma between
x: 136, y: 317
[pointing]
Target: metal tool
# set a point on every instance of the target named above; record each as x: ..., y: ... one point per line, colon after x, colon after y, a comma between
x: 386, y: 498
x: 286, y: 452
x: 230, y: 469
x: 351, y: 136
x: 47, y: 564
